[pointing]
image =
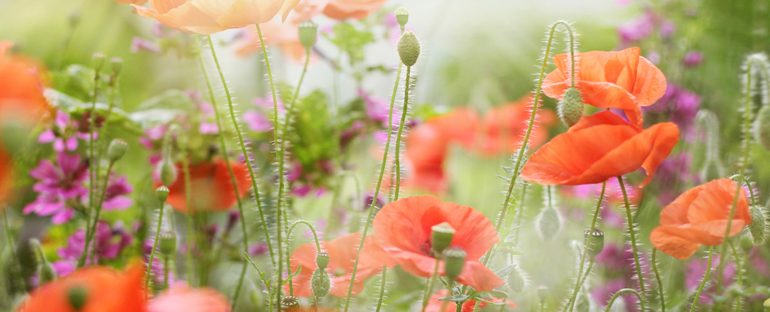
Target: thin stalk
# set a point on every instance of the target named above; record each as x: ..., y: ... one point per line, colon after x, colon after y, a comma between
x: 702, y: 284
x: 377, y: 187
x: 634, y: 247
x: 165, y: 271
x: 431, y: 281
x: 445, y: 303
x: 658, y: 280
x: 191, y: 233
x: 383, y: 284
x: 11, y: 245
x: 154, y: 248
x: 578, y: 282
x: 93, y: 173
x: 620, y: 293
x: 399, y: 136
x: 92, y: 228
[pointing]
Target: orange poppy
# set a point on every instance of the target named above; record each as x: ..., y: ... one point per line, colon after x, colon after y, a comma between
x: 6, y: 176
x: 426, y: 149
x: 503, y: 127
x: 599, y: 147
x: 610, y: 79
x: 210, y: 16
x: 358, y: 9
x: 183, y: 298
x: 285, y: 36
x: 342, y: 252
x: 21, y: 88
x: 699, y: 217
x: 403, y: 229
x: 105, y: 289
x: 211, y: 186
x: 435, y: 303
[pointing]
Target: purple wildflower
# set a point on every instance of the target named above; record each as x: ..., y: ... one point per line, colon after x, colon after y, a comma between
x: 56, y: 185
x: 116, y: 196
x: 108, y: 243
x: 64, y: 134
x: 140, y: 44
x: 694, y: 273
x: 692, y: 59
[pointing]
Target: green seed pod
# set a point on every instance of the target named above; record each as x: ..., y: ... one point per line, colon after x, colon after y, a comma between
x: 308, y: 34
x: 322, y: 260
x: 762, y: 127
x: 402, y: 16
x: 441, y: 237
x: 320, y: 283
x: 408, y: 48
x: 167, y: 172
x: 167, y: 243
x: 548, y: 223
x: 116, y: 150
x: 78, y: 297
x: 746, y: 242
x: 289, y: 302
x: 593, y: 241
x: 46, y: 272
x: 517, y: 279
x: 570, y: 108
x: 162, y: 193
x: 758, y: 227
x: 454, y: 262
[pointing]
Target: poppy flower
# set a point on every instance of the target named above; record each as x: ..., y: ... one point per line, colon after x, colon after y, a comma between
x: 435, y: 303
x: 184, y: 298
x: 699, y: 217
x: 21, y: 88
x: 210, y: 16
x: 503, y: 127
x: 403, y: 229
x: 345, y: 9
x: 105, y: 290
x: 610, y: 79
x: 426, y: 150
x: 342, y: 252
x: 6, y: 176
x: 211, y: 186
x: 599, y: 147
x: 285, y: 36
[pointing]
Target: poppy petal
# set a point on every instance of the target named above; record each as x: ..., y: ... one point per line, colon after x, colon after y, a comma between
x: 670, y: 240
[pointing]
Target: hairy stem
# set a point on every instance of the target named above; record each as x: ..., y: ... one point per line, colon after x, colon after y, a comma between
x: 634, y: 247
x: 658, y: 280
x: 429, y: 286
x: 706, y: 277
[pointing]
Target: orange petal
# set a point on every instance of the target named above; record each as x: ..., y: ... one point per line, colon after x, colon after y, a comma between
x: 673, y: 242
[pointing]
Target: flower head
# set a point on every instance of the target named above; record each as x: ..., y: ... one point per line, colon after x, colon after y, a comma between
x: 345, y: 9
x: 109, y: 242
x: 184, y: 298
x: 58, y: 184
x: 21, y: 88
x: 502, y: 128
x: 403, y: 229
x: 211, y: 186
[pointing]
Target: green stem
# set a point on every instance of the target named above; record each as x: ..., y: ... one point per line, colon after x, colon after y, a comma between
x: 620, y: 293
x: 377, y: 187
x: 90, y: 236
x: 740, y: 261
x: 154, y: 248
x: 445, y: 303
x: 399, y: 136
x: 658, y: 280
x: 578, y: 282
x: 702, y: 284
x: 634, y: 247
x: 396, y: 166
x: 93, y: 173
x: 383, y: 285
x: 12, y: 246
x: 431, y: 281
x: 165, y: 271
x: 191, y: 233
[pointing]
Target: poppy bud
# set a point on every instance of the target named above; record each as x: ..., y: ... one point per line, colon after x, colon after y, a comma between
x: 77, y: 297
x: 746, y: 243
x: 548, y: 223
x: 308, y: 34
x: 117, y: 65
x: 116, y: 150
x: 441, y: 237
x: 593, y: 241
x: 758, y: 227
x: 762, y: 127
x: 570, y: 108
x: 517, y: 279
x: 408, y: 48
x: 402, y: 16
x: 46, y: 272
x: 322, y: 259
x: 97, y: 61
x: 167, y: 243
x: 167, y: 172
x: 289, y: 302
x: 162, y: 193
x: 320, y: 283
x: 454, y: 261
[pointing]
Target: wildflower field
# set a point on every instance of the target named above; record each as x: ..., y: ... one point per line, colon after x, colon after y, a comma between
x: 384, y: 155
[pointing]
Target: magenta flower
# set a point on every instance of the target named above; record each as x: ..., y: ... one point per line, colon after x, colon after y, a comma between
x: 108, y: 243
x: 64, y: 134
x: 692, y: 59
x: 116, y: 196
x: 257, y: 121
x: 618, y: 261
x: 376, y: 108
x: 695, y: 271
x: 141, y: 44
x: 57, y: 185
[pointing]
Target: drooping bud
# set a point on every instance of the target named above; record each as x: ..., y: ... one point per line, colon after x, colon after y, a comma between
x: 77, y: 296
x: 322, y: 260
x: 289, y: 302
x: 162, y: 193
x: 168, y: 172
x: 593, y: 241
x: 402, y: 16
x: 758, y: 227
x: 308, y: 34
x: 517, y: 279
x: 116, y: 150
x: 454, y: 262
x: 441, y: 237
x: 167, y: 243
x: 762, y: 127
x: 408, y: 48
x: 570, y: 108
x: 46, y: 272
x: 548, y: 222
x: 320, y: 283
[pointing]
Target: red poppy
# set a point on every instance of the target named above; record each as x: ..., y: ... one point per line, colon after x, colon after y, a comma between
x: 699, y: 217
x: 6, y: 176
x: 211, y: 186
x: 426, y: 150
x: 610, y: 79
x: 403, y: 229
x: 105, y: 289
x: 435, y: 303
x: 503, y: 127
x: 342, y: 252
x: 345, y: 9
x: 21, y: 88
x: 183, y: 298
x: 599, y: 147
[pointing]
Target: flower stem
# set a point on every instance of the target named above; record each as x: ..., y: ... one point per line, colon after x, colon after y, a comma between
x: 399, y: 136
x: 98, y: 211
x: 93, y: 173
x: 706, y: 276
x: 165, y: 271
x: 579, y: 282
x: 619, y: 293
x: 634, y: 247
x: 377, y: 187
x: 191, y: 233
x: 154, y: 248
x: 658, y: 280
x: 431, y: 281
x: 383, y: 284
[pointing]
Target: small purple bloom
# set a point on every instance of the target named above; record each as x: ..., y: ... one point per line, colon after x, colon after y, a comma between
x: 108, y: 243
x: 667, y: 29
x: 692, y: 59
x: 636, y: 30
x: 258, y: 249
x: 140, y: 44
x: 64, y: 134
x: 56, y: 185
x: 376, y: 109
x: 257, y: 122
x: 116, y: 196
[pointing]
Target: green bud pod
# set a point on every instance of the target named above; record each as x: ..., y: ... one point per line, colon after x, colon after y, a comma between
x: 517, y: 279
x: 758, y: 227
x: 408, y: 48
x: 308, y: 34
x: 46, y: 272
x: 116, y: 150
x: 168, y: 173
x: 762, y: 127
x: 570, y: 108
x: 746, y: 242
x: 77, y: 297
x: 322, y: 259
x: 593, y: 241
x: 117, y: 65
x: 441, y: 237
x: 162, y: 193
x: 167, y: 243
x: 402, y: 16
x: 97, y: 61
x: 454, y: 262
x: 548, y: 223
x: 289, y: 302
x: 320, y: 283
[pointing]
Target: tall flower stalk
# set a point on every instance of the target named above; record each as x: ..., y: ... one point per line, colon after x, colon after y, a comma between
x: 634, y: 246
